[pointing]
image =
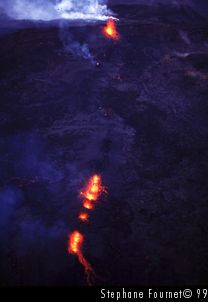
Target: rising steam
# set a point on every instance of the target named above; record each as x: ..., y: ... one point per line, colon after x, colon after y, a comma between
x: 55, y: 9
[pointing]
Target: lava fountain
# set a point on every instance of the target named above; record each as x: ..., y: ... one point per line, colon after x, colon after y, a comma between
x: 93, y: 189
x: 110, y: 30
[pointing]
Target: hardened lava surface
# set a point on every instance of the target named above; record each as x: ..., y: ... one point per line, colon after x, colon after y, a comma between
x: 138, y: 118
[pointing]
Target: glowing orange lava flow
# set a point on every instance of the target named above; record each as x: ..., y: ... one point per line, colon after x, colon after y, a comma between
x: 91, y: 194
x: 83, y: 216
x: 93, y: 189
x: 76, y: 240
x: 110, y: 30
x: 75, y: 243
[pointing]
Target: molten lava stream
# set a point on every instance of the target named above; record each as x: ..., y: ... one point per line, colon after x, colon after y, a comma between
x: 91, y: 194
x: 110, y: 30
x: 75, y: 243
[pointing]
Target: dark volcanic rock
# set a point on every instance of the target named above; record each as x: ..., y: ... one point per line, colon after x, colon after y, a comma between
x: 139, y: 119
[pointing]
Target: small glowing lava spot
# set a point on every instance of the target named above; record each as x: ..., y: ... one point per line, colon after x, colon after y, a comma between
x: 88, y: 205
x: 84, y: 216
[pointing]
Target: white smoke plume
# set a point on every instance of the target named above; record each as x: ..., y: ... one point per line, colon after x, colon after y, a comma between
x: 48, y: 10
x: 85, y: 9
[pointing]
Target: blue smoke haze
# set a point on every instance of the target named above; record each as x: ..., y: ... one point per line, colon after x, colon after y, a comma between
x: 38, y: 202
